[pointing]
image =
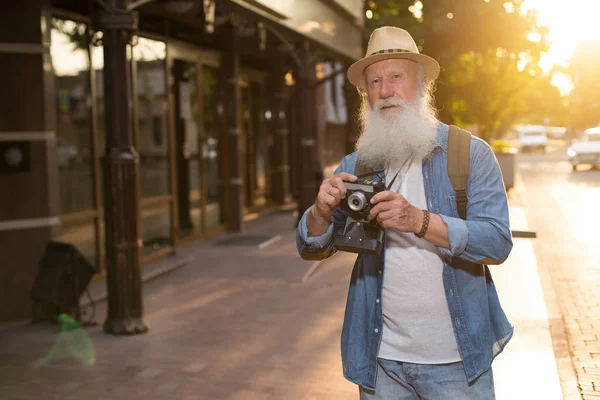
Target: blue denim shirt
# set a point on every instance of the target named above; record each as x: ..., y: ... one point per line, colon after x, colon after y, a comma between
x: 480, y: 326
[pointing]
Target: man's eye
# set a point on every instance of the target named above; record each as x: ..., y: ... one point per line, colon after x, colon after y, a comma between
x: 375, y: 81
x: 397, y: 76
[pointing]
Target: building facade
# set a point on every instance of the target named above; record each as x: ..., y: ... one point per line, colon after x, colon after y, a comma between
x: 227, y: 99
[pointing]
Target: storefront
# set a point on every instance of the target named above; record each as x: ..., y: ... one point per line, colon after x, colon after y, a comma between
x: 208, y: 155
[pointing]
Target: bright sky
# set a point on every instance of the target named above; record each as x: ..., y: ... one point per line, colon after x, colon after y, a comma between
x: 67, y: 60
x: 568, y: 22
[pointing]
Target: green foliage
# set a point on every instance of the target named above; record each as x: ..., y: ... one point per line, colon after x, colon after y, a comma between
x: 76, y: 32
x: 503, y: 147
x: 477, y: 43
x: 489, y: 91
x: 584, y: 101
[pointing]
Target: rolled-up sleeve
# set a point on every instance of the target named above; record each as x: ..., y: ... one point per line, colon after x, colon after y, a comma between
x: 458, y: 236
x: 317, y: 242
x: 321, y: 247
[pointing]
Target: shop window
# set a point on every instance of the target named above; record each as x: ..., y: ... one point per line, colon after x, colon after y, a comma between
x: 74, y: 150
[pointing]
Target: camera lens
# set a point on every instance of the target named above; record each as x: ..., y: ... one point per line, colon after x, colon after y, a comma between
x: 357, y: 201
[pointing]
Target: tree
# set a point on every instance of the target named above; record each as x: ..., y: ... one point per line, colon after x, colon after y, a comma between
x: 465, y: 37
x: 584, y: 101
x: 493, y: 93
x: 488, y: 90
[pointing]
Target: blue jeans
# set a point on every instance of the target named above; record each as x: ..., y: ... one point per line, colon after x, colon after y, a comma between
x: 400, y: 380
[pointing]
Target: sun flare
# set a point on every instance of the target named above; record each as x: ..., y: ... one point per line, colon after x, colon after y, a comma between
x: 568, y: 23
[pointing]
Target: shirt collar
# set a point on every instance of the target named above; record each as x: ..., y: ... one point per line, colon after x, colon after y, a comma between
x: 442, y: 136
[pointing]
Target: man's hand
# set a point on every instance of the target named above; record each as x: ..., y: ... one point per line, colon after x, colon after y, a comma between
x: 392, y: 210
x: 330, y: 195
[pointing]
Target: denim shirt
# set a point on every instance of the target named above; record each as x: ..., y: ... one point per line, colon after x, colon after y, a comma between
x: 480, y: 326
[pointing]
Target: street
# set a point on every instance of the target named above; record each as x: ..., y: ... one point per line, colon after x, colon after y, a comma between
x: 260, y: 323
x: 562, y: 207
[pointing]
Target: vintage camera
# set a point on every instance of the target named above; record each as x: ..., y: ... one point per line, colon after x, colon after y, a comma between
x: 361, y: 235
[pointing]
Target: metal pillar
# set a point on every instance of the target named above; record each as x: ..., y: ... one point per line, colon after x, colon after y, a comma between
x: 309, y: 168
x: 231, y: 93
x: 121, y: 177
x: 279, y: 133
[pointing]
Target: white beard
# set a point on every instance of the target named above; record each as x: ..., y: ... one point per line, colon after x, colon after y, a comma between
x: 406, y: 133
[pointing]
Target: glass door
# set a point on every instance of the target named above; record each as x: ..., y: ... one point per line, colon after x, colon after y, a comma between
x: 211, y: 150
x: 196, y: 139
x: 254, y: 163
x: 187, y: 131
x: 151, y: 140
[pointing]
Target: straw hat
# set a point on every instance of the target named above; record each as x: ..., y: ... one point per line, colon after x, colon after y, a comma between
x: 389, y: 42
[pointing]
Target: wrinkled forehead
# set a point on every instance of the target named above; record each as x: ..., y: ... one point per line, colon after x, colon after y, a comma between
x: 384, y: 67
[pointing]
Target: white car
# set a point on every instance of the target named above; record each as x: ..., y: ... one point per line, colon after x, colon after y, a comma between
x: 532, y: 137
x: 585, y: 150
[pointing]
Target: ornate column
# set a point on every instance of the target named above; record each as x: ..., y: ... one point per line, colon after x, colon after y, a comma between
x: 121, y: 177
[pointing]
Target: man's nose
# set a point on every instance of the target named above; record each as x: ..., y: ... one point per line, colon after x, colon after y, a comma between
x: 385, y: 90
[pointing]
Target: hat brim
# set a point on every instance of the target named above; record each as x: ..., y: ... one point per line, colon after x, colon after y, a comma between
x: 356, y: 71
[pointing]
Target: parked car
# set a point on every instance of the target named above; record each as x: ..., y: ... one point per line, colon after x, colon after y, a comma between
x: 533, y: 137
x: 585, y: 150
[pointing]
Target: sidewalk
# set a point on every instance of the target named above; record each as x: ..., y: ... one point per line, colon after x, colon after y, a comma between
x: 251, y: 323
x: 527, y: 367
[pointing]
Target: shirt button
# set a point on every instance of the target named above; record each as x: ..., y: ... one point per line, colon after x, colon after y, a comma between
x: 376, y: 330
x: 430, y: 205
x: 377, y: 301
x: 426, y: 175
x: 451, y: 292
x: 457, y: 321
x: 379, y: 272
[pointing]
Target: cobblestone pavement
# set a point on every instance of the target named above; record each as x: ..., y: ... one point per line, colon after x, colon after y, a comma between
x: 562, y: 206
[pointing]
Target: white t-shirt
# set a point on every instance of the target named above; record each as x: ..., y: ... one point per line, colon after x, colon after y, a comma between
x: 417, y: 326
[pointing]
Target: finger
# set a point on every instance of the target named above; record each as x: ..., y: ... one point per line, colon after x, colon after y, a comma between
x: 384, y: 216
x: 380, y: 207
x: 335, y: 192
x: 329, y: 201
x: 383, y: 206
x: 339, y: 185
x: 384, y: 196
x: 346, y: 177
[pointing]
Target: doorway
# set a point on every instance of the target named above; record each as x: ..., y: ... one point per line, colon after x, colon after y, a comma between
x: 254, y: 143
x: 197, y: 142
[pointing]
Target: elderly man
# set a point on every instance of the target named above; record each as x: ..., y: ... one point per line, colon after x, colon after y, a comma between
x: 432, y: 327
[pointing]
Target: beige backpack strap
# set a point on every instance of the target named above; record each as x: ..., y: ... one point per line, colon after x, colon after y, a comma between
x: 459, y: 156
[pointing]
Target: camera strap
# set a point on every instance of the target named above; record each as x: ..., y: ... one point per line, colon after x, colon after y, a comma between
x: 393, y: 180
x: 389, y: 187
x: 370, y: 174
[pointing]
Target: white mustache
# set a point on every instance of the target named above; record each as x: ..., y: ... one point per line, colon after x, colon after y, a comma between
x: 392, y: 101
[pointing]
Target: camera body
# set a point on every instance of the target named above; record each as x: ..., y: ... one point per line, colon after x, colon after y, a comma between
x: 361, y: 235
x: 359, y: 195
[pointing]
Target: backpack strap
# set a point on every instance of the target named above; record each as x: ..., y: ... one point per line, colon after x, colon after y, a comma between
x: 459, y: 154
